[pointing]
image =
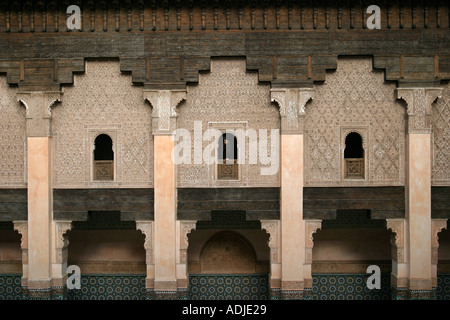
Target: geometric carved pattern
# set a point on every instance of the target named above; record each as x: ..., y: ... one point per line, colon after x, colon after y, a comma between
x: 103, y: 100
x: 227, y: 94
x: 354, y: 96
x: 13, y: 137
x: 441, y: 139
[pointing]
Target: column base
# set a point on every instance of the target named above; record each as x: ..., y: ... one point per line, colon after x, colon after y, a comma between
x: 408, y: 294
x: 275, y: 294
x: 180, y: 294
x: 53, y: 293
x: 292, y: 294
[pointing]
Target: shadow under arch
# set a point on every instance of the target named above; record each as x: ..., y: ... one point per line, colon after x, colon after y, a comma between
x: 227, y: 252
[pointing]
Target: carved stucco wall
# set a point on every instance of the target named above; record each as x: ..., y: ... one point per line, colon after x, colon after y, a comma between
x: 228, y: 97
x: 355, y: 98
x: 103, y: 100
x: 12, y: 138
x: 441, y: 138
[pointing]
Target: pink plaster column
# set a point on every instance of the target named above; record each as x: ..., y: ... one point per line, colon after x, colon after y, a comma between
x: 292, y: 104
x: 39, y: 162
x: 164, y: 103
x: 418, y: 190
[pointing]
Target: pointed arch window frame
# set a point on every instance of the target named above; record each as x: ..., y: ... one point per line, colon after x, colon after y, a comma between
x: 363, y: 131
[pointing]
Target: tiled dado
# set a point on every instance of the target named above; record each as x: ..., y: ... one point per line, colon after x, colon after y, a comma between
x: 228, y: 287
x: 129, y: 287
x: 110, y: 287
x: 443, y: 287
x: 10, y: 287
x: 348, y: 287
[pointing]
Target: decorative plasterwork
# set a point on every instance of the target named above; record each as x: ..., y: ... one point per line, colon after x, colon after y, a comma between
x: 355, y: 97
x: 13, y: 138
x: 186, y: 228
x: 419, y: 101
x: 441, y: 139
x: 437, y: 225
x: 164, y: 103
x: 311, y: 227
x: 292, y: 103
x: 224, y: 98
x: 38, y: 111
x: 397, y: 226
x: 102, y: 100
x: 146, y: 227
x: 272, y: 227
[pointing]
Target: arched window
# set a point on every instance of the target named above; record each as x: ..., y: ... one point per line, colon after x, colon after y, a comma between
x: 354, y: 156
x: 103, y: 158
x: 227, y: 154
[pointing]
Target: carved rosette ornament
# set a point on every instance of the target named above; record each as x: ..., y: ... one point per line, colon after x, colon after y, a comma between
x: 38, y: 111
x: 146, y: 227
x: 292, y: 103
x: 419, y: 102
x: 397, y: 226
x: 164, y: 103
x: 311, y: 227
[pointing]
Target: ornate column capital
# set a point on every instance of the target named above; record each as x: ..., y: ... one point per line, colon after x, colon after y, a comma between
x: 419, y: 101
x: 61, y: 229
x: 311, y: 227
x: 272, y: 227
x: 437, y: 225
x: 292, y: 104
x: 397, y: 226
x: 22, y: 228
x: 38, y: 111
x: 146, y: 227
x: 164, y: 103
x: 186, y: 228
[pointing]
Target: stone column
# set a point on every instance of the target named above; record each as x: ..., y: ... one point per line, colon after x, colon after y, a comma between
x: 39, y: 155
x: 312, y: 226
x: 292, y: 104
x: 22, y: 228
x: 272, y: 227
x: 59, y: 258
x: 418, y: 189
x: 399, y: 274
x: 164, y: 116
x: 437, y: 225
x: 146, y: 228
x: 183, y: 229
